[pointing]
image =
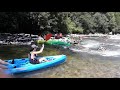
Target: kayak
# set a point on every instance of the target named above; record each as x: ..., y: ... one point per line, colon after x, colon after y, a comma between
x: 23, y: 65
x: 54, y: 42
x: 41, y: 41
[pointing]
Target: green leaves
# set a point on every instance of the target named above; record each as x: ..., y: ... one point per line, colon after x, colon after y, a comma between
x: 64, y: 22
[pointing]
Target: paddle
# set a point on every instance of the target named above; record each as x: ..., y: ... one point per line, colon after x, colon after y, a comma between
x: 47, y: 37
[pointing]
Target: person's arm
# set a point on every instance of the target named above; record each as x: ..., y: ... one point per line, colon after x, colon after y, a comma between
x: 41, y: 50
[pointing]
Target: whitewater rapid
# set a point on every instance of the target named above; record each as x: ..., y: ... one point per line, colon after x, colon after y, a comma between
x: 106, y: 47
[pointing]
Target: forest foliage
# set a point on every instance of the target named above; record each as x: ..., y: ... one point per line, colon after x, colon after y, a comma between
x: 56, y: 22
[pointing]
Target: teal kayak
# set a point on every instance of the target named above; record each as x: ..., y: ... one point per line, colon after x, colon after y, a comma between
x: 23, y: 65
x: 54, y: 42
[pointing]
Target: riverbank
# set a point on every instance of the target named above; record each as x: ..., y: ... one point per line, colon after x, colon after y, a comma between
x: 75, y: 67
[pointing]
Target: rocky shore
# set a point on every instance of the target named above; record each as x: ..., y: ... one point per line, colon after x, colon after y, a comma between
x: 26, y: 39
x: 17, y: 39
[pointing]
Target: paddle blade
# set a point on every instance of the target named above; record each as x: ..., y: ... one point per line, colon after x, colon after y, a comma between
x: 47, y: 37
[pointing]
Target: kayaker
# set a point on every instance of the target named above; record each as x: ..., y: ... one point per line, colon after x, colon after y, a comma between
x: 33, y: 55
x: 60, y: 35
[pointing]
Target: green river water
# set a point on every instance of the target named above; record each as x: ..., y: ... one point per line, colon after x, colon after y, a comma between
x: 74, y: 67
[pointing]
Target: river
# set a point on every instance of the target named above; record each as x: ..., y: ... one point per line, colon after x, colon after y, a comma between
x: 84, y: 60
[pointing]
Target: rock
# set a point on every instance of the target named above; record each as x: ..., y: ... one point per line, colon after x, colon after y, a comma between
x: 17, y: 39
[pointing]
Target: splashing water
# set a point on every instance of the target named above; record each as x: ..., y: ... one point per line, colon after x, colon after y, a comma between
x: 114, y: 37
x: 109, y: 46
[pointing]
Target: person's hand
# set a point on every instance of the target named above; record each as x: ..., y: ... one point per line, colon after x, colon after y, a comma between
x: 42, y: 45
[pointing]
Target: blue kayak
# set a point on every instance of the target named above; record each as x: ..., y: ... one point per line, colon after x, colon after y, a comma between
x: 23, y: 65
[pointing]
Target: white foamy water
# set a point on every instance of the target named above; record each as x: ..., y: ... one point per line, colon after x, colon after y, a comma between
x: 79, y: 50
x: 114, y: 37
x: 90, y: 44
x: 106, y: 53
x: 111, y: 53
x: 117, y: 45
x: 112, y: 47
